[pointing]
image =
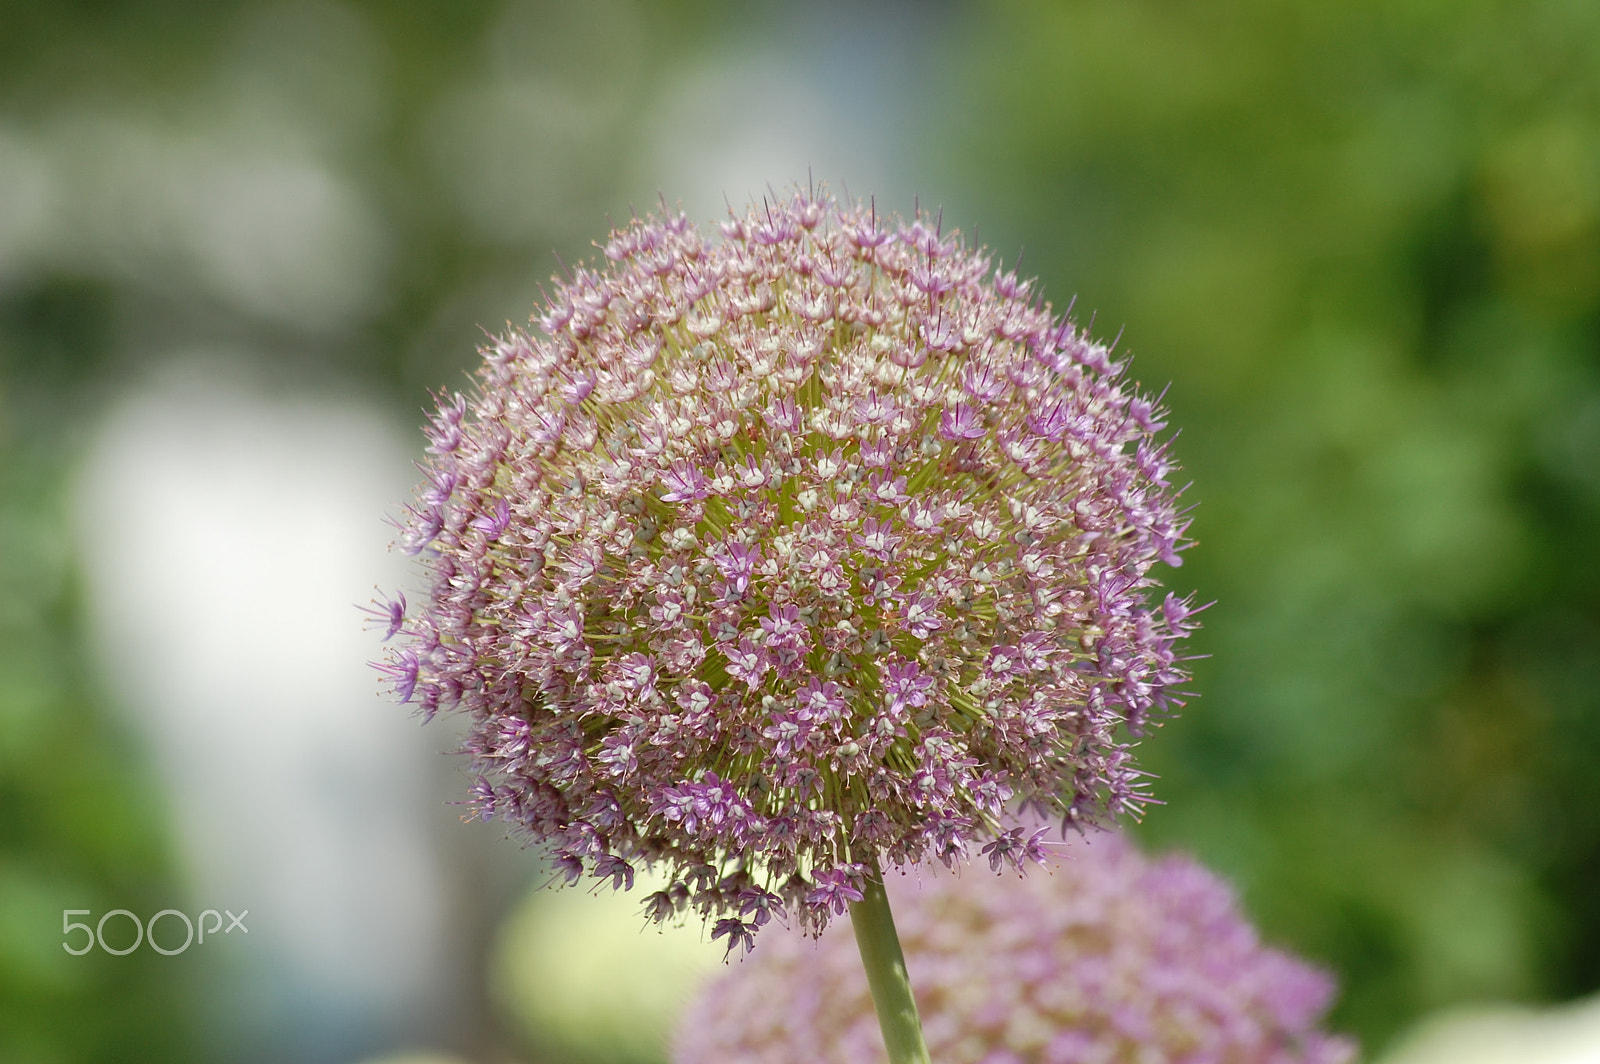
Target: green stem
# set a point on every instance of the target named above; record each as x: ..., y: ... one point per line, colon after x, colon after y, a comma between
x: 886, y: 972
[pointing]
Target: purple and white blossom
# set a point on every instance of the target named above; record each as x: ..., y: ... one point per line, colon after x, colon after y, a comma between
x: 1103, y: 956
x: 763, y: 559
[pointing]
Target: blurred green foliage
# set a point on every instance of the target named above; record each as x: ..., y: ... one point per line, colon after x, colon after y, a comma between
x: 1362, y: 240
x: 81, y: 821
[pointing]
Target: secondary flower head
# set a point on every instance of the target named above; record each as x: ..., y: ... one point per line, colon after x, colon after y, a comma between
x: 767, y: 558
x: 1111, y: 957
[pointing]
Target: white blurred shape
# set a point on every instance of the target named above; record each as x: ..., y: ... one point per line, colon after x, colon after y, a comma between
x: 740, y: 128
x: 236, y: 207
x: 227, y: 537
x: 280, y: 238
x: 833, y: 91
x: 1505, y: 1034
x: 235, y: 196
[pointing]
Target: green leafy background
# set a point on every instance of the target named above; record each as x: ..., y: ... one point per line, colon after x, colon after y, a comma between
x: 1360, y: 239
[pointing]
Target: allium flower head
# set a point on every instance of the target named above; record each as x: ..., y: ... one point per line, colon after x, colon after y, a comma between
x: 767, y: 558
x: 1110, y: 958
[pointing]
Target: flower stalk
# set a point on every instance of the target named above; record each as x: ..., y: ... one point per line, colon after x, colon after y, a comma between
x: 885, y: 965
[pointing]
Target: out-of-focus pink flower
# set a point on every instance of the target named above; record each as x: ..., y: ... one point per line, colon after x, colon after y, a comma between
x: 1106, y: 956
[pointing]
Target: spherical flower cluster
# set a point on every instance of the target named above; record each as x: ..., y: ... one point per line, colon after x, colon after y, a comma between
x: 769, y: 558
x: 1111, y: 957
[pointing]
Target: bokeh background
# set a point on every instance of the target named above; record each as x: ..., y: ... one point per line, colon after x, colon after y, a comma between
x: 241, y: 240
